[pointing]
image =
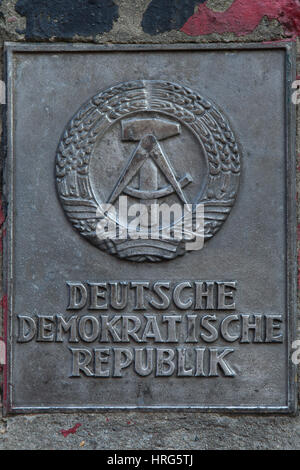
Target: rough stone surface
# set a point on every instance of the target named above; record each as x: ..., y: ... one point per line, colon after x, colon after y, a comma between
x: 150, y: 431
x: 129, y: 21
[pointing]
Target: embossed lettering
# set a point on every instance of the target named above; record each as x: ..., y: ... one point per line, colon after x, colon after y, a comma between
x: 98, y: 291
x: 182, y: 371
x: 177, y: 293
x: 88, y: 328
x: 139, y: 366
x: 63, y: 325
x: 257, y: 326
x: 165, y: 301
x: 204, y: 293
x: 118, y: 295
x: 217, y: 360
x: 164, y: 362
x: 77, y: 295
x: 139, y: 299
x: 27, y: 329
x: 123, y: 358
x: 171, y: 321
x: 226, y: 295
x: 271, y: 325
x: 205, y: 322
x: 152, y: 330
x: 81, y: 358
x: 101, y: 357
x: 45, y: 330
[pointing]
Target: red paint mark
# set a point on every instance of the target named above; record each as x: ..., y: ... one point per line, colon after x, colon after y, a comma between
x: 298, y: 165
x: 107, y: 420
x: 243, y: 16
x: 1, y: 365
x: 4, y: 306
x: 128, y: 422
x: 72, y: 430
x: 11, y: 19
x: 1, y: 240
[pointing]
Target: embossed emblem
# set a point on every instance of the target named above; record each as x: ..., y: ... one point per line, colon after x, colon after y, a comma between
x: 150, y: 141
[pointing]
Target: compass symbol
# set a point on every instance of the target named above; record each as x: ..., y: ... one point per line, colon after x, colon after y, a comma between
x: 147, y: 158
x: 150, y: 112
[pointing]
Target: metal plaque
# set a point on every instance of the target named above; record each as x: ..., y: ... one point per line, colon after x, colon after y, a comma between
x: 150, y: 239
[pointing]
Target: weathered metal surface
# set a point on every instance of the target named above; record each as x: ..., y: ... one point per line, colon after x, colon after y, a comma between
x: 208, y: 330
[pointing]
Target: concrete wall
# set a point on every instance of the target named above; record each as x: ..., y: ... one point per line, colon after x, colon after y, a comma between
x: 149, y: 21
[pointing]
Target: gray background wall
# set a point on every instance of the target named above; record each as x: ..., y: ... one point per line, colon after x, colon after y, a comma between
x: 149, y: 21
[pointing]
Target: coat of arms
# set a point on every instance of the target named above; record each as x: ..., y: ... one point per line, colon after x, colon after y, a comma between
x: 153, y: 142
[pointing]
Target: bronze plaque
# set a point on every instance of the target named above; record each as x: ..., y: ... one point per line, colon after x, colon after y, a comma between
x: 150, y: 249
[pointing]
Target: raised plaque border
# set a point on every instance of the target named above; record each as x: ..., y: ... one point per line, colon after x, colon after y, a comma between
x: 10, y: 51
